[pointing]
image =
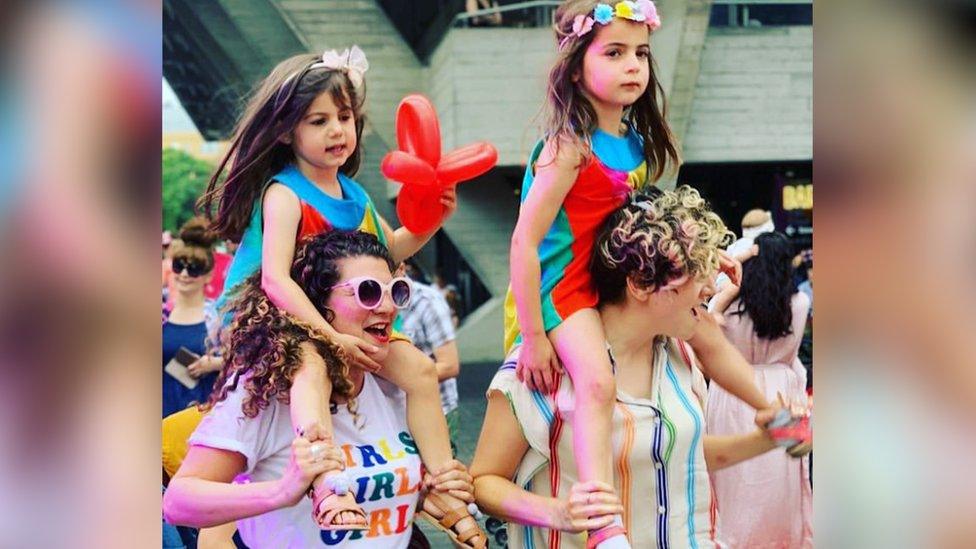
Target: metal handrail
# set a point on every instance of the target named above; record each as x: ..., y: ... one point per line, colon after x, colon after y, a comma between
x: 509, y: 7
x: 759, y: 2
x: 464, y: 16
x: 554, y: 3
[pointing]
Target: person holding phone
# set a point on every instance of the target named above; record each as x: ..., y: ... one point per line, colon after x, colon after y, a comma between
x: 188, y: 371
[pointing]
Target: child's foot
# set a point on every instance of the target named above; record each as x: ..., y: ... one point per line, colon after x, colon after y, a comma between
x: 333, y: 511
x: 451, y: 515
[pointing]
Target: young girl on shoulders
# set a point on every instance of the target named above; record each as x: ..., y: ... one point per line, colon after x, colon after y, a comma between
x: 606, y: 135
x: 291, y: 163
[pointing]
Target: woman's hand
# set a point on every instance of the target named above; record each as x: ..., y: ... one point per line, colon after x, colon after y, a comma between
x: 357, y: 351
x: 204, y: 365
x: 731, y: 266
x: 308, y: 460
x: 537, y: 362
x: 590, y: 506
x: 453, y: 479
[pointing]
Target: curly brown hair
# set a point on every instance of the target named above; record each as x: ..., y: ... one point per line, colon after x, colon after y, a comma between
x: 656, y: 237
x: 262, y: 344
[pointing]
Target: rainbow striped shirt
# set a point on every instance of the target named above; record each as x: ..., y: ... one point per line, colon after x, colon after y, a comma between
x: 658, y: 456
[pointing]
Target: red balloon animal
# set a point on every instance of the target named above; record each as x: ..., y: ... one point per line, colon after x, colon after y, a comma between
x: 421, y: 168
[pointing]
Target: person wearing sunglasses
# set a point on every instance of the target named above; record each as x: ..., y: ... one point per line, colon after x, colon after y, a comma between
x: 371, y: 461
x: 187, y: 320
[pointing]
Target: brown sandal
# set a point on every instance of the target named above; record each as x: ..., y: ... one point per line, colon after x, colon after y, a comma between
x: 326, y: 506
x: 471, y: 538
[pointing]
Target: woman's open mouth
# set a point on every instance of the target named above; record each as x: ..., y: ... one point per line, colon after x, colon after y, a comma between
x: 379, y: 331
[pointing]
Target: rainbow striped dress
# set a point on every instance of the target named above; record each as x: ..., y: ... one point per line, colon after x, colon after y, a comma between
x: 616, y: 168
x: 320, y: 213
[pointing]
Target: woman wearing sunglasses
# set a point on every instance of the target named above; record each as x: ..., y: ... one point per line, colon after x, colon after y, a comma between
x: 373, y: 460
x: 188, y: 372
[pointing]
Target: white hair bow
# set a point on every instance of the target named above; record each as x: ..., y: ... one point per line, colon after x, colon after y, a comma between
x: 352, y: 61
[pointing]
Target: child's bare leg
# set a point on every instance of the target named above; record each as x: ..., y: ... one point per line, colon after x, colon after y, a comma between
x: 581, y: 346
x: 414, y: 372
x: 309, y: 407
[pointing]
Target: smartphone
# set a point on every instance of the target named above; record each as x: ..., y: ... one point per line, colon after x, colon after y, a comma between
x: 178, y: 367
x: 186, y: 357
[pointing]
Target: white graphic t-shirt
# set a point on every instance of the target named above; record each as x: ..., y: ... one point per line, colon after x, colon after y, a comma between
x: 381, y: 461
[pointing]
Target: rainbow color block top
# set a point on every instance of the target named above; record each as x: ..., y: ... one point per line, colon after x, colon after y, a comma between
x: 616, y: 168
x: 320, y: 213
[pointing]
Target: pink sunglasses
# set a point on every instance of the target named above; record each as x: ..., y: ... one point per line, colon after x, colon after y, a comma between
x: 369, y: 291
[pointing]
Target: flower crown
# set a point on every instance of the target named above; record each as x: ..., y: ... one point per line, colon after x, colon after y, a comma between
x: 642, y: 11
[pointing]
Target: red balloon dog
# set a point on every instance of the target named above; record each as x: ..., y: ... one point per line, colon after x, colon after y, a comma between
x: 419, y: 166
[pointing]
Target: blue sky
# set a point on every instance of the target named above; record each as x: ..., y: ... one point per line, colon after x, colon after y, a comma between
x: 175, y: 118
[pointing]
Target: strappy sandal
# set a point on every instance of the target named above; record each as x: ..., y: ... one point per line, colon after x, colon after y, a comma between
x: 327, y: 505
x: 471, y: 538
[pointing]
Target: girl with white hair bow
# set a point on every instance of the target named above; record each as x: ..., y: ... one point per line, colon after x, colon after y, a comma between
x: 291, y: 163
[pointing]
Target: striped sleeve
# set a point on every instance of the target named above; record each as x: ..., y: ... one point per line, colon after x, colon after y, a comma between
x: 533, y: 411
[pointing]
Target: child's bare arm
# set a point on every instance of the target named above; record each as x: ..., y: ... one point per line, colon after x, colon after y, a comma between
x: 555, y: 174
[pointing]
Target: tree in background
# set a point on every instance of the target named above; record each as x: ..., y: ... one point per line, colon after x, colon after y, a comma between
x: 184, y: 179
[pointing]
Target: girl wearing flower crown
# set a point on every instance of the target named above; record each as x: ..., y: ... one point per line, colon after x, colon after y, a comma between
x: 605, y: 135
x: 292, y: 159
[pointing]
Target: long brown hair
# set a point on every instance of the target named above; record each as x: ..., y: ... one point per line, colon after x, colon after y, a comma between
x: 570, y: 117
x: 257, y: 153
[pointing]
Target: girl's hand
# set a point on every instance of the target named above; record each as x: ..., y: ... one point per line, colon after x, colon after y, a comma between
x: 731, y: 266
x: 537, y: 362
x: 452, y: 479
x: 449, y: 201
x: 358, y: 351
x: 590, y: 506
x: 308, y: 460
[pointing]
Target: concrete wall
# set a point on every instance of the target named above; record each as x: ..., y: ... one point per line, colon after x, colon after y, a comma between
x: 754, y: 96
x: 488, y: 84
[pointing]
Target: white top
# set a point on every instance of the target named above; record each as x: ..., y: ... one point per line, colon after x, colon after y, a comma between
x: 381, y: 460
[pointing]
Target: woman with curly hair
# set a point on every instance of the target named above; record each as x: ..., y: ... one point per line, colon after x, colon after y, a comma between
x: 653, y: 266
x: 766, y: 502
x: 245, y: 463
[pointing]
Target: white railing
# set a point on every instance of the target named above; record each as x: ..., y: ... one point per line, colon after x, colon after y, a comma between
x: 542, y: 16
x: 543, y: 10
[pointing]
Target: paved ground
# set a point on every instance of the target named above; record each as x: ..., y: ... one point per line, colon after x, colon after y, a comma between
x: 472, y: 384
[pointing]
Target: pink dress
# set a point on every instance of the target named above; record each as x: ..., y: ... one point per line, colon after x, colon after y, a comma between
x: 767, y: 501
